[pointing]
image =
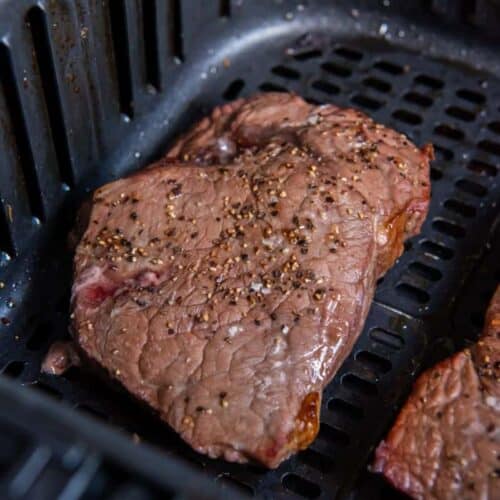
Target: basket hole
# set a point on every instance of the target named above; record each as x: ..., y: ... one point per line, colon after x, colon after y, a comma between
x: 336, y: 69
x: 477, y: 320
x: 482, y: 168
x: 225, y: 8
x: 490, y: 147
x: 119, y: 35
x: 333, y: 435
x: 425, y: 271
x: 234, y: 89
x: 443, y: 153
x: 357, y: 384
x: 449, y: 228
x: 73, y: 374
x: 326, y: 87
x: 494, y: 127
x: 460, y: 113
x: 413, y: 293
x: 436, y: 174
x: 20, y: 133
x: 407, y: 117
x: 62, y: 305
x: 386, y: 338
x: 257, y: 469
x: 46, y: 67
x: 150, y: 34
x: 388, y: 67
x: 231, y: 482
x: 91, y: 410
x: 14, y: 369
x: 429, y: 81
x: 345, y: 409
x: 310, y: 54
x: 175, y: 29
x: 377, y: 84
x: 471, y: 187
x: 366, y: 102
x: 286, y: 72
x: 436, y: 250
x: 449, y: 132
x: 272, y: 87
x: 316, y: 460
x: 471, y: 96
x: 460, y: 208
x: 49, y: 390
x: 40, y: 336
x: 374, y: 362
x: 301, y: 486
x: 312, y: 100
x: 418, y: 99
x: 350, y: 54
x: 7, y: 249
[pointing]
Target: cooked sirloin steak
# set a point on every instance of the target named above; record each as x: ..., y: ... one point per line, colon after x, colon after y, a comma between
x: 445, y: 443
x: 225, y: 284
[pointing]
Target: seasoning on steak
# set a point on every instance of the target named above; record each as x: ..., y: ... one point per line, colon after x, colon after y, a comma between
x: 225, y: 284
x: 445, y: 443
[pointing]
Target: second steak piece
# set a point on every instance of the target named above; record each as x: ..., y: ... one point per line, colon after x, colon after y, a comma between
x: 226, y: 291
x: 445, y: 443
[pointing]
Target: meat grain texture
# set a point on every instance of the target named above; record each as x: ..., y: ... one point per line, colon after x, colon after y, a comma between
x: 225, y: 284
x: 445, y: 443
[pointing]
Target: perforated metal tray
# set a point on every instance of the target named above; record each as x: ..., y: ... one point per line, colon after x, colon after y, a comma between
x: 93, y: 89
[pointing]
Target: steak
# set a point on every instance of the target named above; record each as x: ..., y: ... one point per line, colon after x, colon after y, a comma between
x: 446, y: 440
x: 225, y: 284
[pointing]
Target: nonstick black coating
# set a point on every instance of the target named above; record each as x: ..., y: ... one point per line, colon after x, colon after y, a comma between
x: 92, y: 89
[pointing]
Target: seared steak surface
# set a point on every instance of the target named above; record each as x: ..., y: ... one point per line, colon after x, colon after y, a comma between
x: 446, y: 440
x: 225, y: 284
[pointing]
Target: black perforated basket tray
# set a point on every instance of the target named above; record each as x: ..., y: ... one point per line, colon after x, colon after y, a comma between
x: 93, y: 89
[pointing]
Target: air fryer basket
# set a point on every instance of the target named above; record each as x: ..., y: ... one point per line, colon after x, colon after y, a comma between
x: 93, y: 89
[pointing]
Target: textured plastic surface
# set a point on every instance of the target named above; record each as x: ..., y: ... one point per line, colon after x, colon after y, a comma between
x: 62, y: 456
x: 93, y: 89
